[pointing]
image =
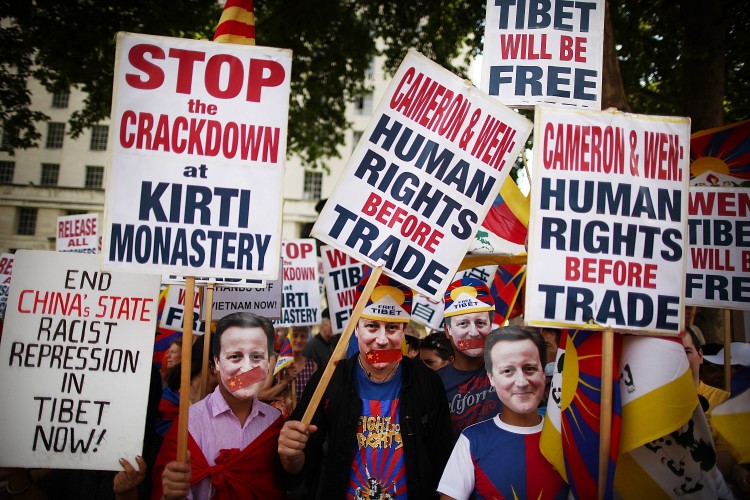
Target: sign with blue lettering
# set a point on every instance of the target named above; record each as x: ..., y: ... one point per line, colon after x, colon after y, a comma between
x: 544, y: 52
x: 75, y: 363
x: 342, y: 274
x: 718, y: 271
x: 199, y: 142
x: 608, y: 226
x: 423, y: 176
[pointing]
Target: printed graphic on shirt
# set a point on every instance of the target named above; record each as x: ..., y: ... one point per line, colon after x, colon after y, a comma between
x: 471, y: 397
x: 378, y: 471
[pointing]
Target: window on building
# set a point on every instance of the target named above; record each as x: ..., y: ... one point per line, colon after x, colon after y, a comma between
x: 99, y: 135
x: 313, y: 185
x: 363, y: 105
x: 370, y: 71
x: 7, y: 168
x: 50, y: 174
x: 60, y: 99
x: 26, y: 221
x: 94, y: 177
x: 55, y: 135
x: 356, y: 136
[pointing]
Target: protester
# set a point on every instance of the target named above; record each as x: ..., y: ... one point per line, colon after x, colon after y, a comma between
x: 171, y: 357
x: 468, y: 320
x: 411, y: 339
x: 232, y: 435
x: 319, y: 348
x: 551, y: 341
x: 739, y: 365
x: 436, y: 351
x: 709, y: 396
x: 500, y: 457
x: 385, y: 417
x: 287, y: 388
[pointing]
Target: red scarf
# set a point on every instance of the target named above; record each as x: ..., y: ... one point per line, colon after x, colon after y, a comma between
x: 249, y: 473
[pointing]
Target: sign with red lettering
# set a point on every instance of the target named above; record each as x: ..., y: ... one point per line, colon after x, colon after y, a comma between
x: 199, y: 143
x: 423, y: 176
x: 75, y: 363
x: 78, y: 233
x: 544, y: 52
x: 174, y: 310
x: 718, y: 266
x: 300, y: 296
x: 608, y: 227
x: 342, y: 274
x: 6, y: 269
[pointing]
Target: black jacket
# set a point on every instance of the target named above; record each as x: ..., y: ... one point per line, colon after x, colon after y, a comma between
x: 425, y: 429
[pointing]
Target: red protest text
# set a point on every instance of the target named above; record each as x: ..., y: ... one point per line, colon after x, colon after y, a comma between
x: 75, y: 228
x: 389, y: 214
x: 621, y: 273
x: 588, y: 148
x: 224, y: 75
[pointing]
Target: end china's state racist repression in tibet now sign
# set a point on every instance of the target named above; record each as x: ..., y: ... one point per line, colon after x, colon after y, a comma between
x: 75, y: 363
x: 423, y: 176
x: 199, y: 144
x: 608, y: 228
x: 544, y: 52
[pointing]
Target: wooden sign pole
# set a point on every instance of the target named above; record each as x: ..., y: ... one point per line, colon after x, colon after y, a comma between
x: 605, y: 416
x: 341, y: 346
x: 727, y: 350
x: 187, y: 343
x: 209, y: 303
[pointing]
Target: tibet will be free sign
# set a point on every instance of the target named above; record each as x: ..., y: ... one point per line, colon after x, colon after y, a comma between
x: 423, y: 176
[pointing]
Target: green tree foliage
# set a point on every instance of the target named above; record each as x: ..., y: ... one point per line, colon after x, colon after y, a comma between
x: 67, y: 43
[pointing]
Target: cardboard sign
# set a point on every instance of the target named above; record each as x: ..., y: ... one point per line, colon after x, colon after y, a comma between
x: 6, y: 269
x: 423, y: 176
x: 199, y: 144
x: 300, y: 298
x: 173, y: 279
x: 544, y: 52
x: 78, y: 233
x: 264, y: 300
x: 718, y: 266
x: 75, y: 363
x: 608, y: 230
x: 342, y: 273
x: 174, y: 310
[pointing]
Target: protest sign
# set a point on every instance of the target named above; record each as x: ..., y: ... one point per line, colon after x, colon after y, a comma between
x: 75, y: 363
x: 6, y: 269
x: 718, y: 267
x: 609, y: 217
x: 544, y: 52
x: 300, y: 297
x: 342, y: 273
x: 78, y: 233
x: 174, y: 310
x: 423, y: 177
x: 199, y: 144
x: 264, y: 300
x: 173, y: 279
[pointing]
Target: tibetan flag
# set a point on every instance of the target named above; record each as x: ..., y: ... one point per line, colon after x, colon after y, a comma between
x: 570, y: 437
x: 724, y: 150
x: 508, y: 217
x: 286, y: 356
x: 681, y: 464
x: 730, y: 419
x: 662, y: 434
x: 237, y: 23
x: 506, y: 292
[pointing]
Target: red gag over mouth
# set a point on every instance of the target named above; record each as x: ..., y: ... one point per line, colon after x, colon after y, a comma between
x: 242, y: 380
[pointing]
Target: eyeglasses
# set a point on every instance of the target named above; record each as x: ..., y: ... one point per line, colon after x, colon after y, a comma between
x: 464, y: 324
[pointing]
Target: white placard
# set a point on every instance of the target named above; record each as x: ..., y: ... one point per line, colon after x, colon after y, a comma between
x: 608, y: 228
x: 300, y: 298
x: 174, y: 310
x: 199, y: 144
x: 78, y: 233
x: 342, y: 274
x: 718, y: 269
x: 423, y: 176
x: 75, y: 363
x: 264, y: 300
x: 544, y: 52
